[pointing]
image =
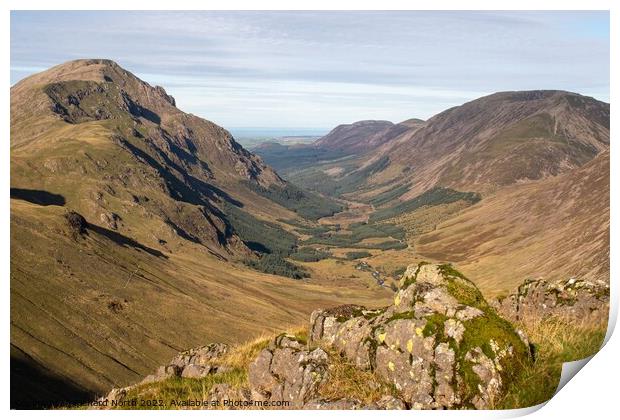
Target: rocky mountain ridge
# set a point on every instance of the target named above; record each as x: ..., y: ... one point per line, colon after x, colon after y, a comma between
x: 189, y: 162
x: 362, y: 136
x: 504, y: 138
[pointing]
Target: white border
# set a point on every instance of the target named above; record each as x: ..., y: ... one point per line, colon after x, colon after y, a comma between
x: 592, y: 394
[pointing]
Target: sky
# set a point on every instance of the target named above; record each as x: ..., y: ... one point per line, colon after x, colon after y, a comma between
x: 311, y: 71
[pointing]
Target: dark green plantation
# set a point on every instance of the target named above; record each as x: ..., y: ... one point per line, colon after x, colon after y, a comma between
x: 307, y: 204
x: 432, y: 197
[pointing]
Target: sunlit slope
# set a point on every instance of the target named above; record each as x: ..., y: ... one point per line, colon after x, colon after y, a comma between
x: 504, y: 138
x: 120, y: 152
x: 556, y: 228
x: 97, y: 309
x: 157, y: 264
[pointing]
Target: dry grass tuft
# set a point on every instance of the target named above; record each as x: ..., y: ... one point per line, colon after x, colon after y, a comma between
x: 555, y: 341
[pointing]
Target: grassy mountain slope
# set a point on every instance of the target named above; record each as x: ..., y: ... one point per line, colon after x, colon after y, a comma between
x: 153, y: 268
x: 358, y: 137
x: 502, y: 139
x: 481, y: 146
x: 556, y: 228
x: 146, y: 169
x: 98, y: 309
x: 139, y: 160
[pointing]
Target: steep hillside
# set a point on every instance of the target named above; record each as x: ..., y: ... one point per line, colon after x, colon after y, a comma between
x: 359, y: 137
x: 502, y: 139
x: 146, y: 169
x: 557, y: 228
x: 139, y: 160
x: 92, y: 308
x: 129, y: 223
x: 480, y: 146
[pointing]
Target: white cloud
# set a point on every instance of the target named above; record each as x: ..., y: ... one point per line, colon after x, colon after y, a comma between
x: 318, y: 69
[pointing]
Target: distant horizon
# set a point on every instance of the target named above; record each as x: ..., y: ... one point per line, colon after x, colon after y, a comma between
x: 277, y: 131
x: 283, y: 131
x: 319, y: 69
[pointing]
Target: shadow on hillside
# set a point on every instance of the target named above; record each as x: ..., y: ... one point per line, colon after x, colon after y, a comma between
x: 189, y: 189
x: 35, y: 387
x: 124, y: 240
x: 138, y: 110
x: 257, y: 247
x: 40, y: 197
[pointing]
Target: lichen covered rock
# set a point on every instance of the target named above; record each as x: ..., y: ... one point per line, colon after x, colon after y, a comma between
x: 287, y: 371
x: 192, y: 363
x: 440, y: 344
x: 572, y: 299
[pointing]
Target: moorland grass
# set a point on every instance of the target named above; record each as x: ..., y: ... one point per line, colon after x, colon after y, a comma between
x: 555, y: 341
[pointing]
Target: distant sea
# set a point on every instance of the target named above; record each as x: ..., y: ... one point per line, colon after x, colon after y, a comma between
x: 254, y: 132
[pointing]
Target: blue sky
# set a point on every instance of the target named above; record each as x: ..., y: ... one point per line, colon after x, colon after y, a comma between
x: 319, y: 69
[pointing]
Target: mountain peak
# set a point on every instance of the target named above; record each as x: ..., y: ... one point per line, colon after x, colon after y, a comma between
x: 363, y: 123
x: 98, y: 70
x: 355, y: 137
x: 536, y: 95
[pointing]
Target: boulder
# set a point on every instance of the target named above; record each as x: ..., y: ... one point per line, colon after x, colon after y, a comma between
x: 201, y: 356
x: 228, y: 396
x: 287, y: 371
x: 571, y: 299
x: 195, y: 371
x: 77, y: 224
x: 193, y: 363
x: 441, y: 345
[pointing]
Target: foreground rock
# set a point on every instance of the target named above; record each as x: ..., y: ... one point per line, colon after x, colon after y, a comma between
x: 192, y: 363
x: 285, y: 371
x: 440, y: 344
x: 570, y: 299
x: 291, y: 370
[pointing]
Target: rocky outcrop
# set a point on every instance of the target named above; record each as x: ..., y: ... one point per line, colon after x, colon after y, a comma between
x: 440, y: 344
x: 572, y: 299
x: 76, y: 223
x: 286, y: 371
x: 192, y: 363
x: 292, y: 370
